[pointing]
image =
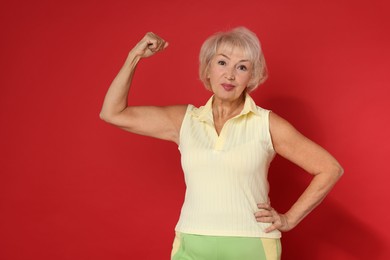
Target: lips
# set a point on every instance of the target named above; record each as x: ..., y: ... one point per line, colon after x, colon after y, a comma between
x: 227, y: 87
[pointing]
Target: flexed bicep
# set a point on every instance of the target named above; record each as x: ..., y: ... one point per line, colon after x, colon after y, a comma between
x: 158, y: 122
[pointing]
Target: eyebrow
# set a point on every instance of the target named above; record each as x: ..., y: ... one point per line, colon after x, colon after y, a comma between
x: 227, y: 57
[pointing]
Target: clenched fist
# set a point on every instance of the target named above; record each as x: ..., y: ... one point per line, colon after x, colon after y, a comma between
x: 149, y: 45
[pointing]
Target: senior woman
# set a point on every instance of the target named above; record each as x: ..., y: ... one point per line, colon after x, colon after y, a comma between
x: 226, y: 148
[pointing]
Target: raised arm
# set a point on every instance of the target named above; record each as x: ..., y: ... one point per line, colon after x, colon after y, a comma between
x: 326, y: 171
x: 159, y: 122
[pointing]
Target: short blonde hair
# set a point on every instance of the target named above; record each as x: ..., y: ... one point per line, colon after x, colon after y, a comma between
x: 238, y: 37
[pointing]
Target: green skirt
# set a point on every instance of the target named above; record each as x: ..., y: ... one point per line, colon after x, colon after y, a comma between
x: 199, y: 247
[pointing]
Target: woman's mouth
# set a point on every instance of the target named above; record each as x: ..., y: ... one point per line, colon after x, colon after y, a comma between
x: 227, y: 87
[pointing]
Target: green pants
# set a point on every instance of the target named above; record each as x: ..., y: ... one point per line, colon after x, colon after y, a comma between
x: 197, y: 247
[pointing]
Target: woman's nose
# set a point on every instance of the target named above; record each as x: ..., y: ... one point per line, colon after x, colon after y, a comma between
x: 230, y: 74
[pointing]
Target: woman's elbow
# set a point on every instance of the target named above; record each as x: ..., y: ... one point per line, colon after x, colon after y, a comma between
x: 337, y: 171
x: 340, y: 171
x: 332, y: 172
x: 102, y: 116
x: 105, y: 117
x: 116, y: 120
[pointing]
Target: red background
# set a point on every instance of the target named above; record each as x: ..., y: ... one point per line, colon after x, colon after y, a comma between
x: 73, y: 187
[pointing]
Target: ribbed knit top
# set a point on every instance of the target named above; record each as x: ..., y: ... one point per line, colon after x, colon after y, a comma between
x: 225, y: 174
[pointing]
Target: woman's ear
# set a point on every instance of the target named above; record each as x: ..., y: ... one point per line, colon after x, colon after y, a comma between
x: 207, y: 73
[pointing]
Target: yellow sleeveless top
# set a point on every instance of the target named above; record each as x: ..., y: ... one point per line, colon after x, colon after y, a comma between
x: 226, y: 174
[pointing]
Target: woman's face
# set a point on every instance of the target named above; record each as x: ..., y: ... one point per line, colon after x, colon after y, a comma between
x: 229, y: 73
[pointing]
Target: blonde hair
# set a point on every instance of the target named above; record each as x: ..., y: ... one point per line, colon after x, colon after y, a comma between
x: 238, y: 37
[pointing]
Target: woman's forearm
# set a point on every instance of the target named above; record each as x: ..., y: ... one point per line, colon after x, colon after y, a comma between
x: 314, y: 159
x: 317, y: 190
x: 115, y: 100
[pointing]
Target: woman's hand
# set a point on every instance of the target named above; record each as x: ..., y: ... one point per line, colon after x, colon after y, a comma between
x: 149, y: 45
x: 267, y: 214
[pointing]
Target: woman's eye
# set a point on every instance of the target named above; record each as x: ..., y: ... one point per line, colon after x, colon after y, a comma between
x: 242, y: 67
x: 221, y: 62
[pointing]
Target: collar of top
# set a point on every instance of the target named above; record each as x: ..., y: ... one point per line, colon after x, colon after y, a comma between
x: 204, y: 113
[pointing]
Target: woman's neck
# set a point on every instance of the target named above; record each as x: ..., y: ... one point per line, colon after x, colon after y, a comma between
x: 224, y: 110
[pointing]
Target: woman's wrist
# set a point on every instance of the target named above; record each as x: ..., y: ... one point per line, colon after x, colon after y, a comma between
x: 133, y: 56
x: 291, y: 220
x: 132, y: 60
